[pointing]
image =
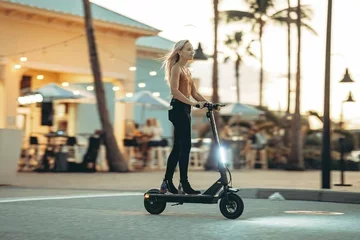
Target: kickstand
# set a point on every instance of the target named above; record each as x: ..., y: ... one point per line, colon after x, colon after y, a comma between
x: 180, y: 203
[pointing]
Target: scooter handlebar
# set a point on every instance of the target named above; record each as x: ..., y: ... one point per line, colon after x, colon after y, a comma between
x: 211, y: 105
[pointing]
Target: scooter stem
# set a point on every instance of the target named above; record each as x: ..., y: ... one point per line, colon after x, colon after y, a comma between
x: 221, y: 166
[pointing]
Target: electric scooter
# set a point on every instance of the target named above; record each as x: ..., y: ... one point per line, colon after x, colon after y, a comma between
x: 231, y: 205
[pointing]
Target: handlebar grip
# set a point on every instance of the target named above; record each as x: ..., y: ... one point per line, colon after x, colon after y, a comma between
x: 218, y: 105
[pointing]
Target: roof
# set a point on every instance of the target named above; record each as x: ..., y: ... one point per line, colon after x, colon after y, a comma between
x: 75, y: 8
x: 155, y: 42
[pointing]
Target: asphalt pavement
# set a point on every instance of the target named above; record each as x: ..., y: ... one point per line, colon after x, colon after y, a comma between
x: 52, y: 213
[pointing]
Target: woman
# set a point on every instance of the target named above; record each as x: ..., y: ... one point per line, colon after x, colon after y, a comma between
x: 182, y: 87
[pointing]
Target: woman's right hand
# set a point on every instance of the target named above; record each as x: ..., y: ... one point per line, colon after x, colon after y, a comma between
x: 199, y: 104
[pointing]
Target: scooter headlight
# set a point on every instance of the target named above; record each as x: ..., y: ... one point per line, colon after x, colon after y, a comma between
x: 222, y: 155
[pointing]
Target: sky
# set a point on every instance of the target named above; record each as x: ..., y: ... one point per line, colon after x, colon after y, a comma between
x: 193, y: 20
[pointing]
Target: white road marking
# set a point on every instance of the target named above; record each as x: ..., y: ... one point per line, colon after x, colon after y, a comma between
x: 41, y: 198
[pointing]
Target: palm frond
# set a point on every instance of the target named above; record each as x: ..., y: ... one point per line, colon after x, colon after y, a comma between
x: 304, y: 8
x: 309, y: 28
x: 248, y: 50
x: 316, y: 114
x: 226, y: 59
x: 234, y: 15
x: 306, y: 12
x: 228, y: 40
x: 284, y: 20
x: 238, y: 37
x: 260, y: 6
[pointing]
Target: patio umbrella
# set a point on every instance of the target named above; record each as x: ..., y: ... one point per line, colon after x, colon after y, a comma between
x: 84, y: 96
x: 53, y: 91
x: 245, y: 111
x: 146, y: 100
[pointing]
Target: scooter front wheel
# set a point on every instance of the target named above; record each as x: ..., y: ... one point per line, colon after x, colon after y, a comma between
x: 154, y: 207
x: 231, y: 206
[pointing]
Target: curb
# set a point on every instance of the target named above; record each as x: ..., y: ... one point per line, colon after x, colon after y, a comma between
x: 303, y: 195
x: 254, y: 193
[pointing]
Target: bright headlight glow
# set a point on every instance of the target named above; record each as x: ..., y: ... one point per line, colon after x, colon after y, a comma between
x: 222, y: 155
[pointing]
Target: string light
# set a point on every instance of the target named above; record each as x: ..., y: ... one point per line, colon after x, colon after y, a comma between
x: 40, y: 77
x: 116, y: 88
x: 129, y: 94
x: 43, y: 49
x: 89, y: 88
x: 65, y: 84
x: 65, y: 43
x: 142, y: 85
x: 156, y: 94
x: 76, y: 92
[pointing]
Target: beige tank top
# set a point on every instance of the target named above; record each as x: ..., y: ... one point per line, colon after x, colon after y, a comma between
x: 185, y: 83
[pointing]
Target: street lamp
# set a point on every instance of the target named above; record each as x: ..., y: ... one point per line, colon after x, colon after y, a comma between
x: 346, y: 78
x: 349, y: 99
x: 199, y: 54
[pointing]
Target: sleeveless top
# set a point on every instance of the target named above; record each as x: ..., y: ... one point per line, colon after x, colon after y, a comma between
x: 185, y: 83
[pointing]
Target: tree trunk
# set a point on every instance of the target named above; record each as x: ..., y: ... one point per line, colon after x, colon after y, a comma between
x: 287, y: 135
x: 261, y: 65
x: 115, y: 160
x: 237, y: 76
x: 211, y: 163
x: 215, y: 95
x: 296, y: 157
x: 289, y: 60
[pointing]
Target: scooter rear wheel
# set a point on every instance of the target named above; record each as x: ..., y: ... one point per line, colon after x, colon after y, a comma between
x: 232, y: 207
x: 154, y: 207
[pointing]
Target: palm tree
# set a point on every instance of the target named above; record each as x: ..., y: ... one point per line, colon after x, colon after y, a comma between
x: 115, y: 159
x: 234, y: 43
x: 285, y: 15
x: 296, y: 161
x: 258, y: 16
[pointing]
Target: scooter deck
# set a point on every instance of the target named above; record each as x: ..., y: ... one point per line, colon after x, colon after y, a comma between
x: 182, y: 198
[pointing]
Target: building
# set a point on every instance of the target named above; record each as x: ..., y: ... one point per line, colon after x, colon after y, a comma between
x: 45, y: 42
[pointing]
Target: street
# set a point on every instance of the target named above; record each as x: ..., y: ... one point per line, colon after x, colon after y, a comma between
x: 35, y: 213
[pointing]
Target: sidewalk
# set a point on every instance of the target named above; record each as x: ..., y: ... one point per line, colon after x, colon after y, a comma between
x: 253, y: 183
x: 198, y: 179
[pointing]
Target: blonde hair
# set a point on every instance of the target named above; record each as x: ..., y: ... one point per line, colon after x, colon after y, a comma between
x: 172, y: 58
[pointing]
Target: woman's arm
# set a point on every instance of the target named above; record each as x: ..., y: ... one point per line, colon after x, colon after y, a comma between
x: 196, y: 95
x: 174, y: 86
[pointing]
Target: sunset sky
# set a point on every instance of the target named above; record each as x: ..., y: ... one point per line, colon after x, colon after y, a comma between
x: 193, y: 20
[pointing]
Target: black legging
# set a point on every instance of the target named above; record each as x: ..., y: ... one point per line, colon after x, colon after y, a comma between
x: 180, y: 117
